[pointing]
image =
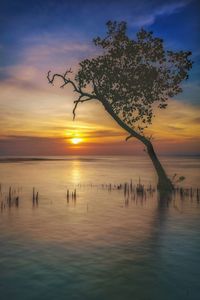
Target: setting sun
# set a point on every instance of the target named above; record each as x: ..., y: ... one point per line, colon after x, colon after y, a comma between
x: 76, y: 141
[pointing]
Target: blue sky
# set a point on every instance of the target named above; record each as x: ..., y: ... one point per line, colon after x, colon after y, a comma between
x: 26, y: 23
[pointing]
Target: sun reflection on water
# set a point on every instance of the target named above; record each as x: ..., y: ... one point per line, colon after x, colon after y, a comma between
x: 76, y: 172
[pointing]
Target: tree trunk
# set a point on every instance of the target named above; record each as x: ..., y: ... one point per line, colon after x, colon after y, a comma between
x: 164, y: 183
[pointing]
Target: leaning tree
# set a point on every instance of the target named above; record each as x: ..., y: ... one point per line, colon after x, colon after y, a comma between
x: 131, y: 78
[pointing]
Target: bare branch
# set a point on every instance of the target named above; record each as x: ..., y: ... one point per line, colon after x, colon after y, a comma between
x: 76, y: 89
x: 128, y: 137
x: 63, y: 77
x: 75, y: 106
x: 68, y: 71
x: 84, y: 100
x: 68, y: 80
x: 80, y: 101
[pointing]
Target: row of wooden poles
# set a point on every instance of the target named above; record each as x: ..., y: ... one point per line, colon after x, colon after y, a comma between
x: 12, y: 198
x: 35, y: 197
x: 130, y: 190
x: 139, y: 190
x: 71, y: 195
x: 127, y: 187
x: 189, y: 192
x: 134, y: 191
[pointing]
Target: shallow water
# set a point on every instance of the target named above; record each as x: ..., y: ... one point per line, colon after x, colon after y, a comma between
x: 102, y: 244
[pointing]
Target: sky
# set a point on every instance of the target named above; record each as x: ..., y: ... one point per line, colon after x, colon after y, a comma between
x: 37, y: 36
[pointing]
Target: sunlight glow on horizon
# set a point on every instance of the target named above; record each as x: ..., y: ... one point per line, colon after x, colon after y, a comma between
x: 76, y: 140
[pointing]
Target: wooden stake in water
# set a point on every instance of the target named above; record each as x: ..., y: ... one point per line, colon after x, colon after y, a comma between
x: 9, y: 197
x: 33, y: 194
x: 36, y: 198
x: 17, y: 201
x: 67, y: 196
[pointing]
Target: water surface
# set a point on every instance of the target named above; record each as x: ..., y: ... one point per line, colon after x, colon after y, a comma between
x: 103, y: 244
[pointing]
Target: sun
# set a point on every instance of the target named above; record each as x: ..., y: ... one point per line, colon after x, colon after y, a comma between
x: 76, y: 140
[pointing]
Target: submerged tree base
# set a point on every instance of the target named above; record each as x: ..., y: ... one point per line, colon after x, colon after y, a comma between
x: 164, y: 183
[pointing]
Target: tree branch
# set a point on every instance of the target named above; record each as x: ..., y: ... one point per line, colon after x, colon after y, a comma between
x: 79, y: 101
x: 75, y: 106
x: 64, y: 78
x: 76, y: 89
x: 128, y: 137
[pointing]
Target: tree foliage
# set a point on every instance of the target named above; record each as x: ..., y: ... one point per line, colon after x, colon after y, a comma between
x: 134, y: 76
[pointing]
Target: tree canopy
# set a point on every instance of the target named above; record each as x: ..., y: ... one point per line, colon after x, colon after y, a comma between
x: 133, y: 75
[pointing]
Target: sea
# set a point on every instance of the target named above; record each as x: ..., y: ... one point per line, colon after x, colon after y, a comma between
x: 96, y: 228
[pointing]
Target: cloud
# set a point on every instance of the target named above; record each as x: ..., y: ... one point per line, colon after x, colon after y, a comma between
x: 179, y: 122
x: 176, y: 128
x: 196, y: 120
x: 55, y: 50
x: 147, y: 14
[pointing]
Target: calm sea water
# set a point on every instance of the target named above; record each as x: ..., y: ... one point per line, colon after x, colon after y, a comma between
x: 102, y: 245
